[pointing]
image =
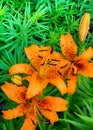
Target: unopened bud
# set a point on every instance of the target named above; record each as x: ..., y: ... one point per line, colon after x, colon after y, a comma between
x: 84, y: 26
x: 16, y: 79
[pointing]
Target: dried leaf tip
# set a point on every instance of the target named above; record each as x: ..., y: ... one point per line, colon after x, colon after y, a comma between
x: 84, y: 26
x: 16, y: 79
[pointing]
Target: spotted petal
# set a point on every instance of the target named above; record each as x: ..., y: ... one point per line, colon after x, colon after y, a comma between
x: 14, y: 92
x: 72, y: 81
x: 30, y: 121
x: 50, y: 105
x: 86, y: 55
x: 68, y: 46
x: 53, y: 103
x: 51, y: 115
x: 21, y: 68
x: 85, y: 68
x: 37, y: 55
x: 59, y: 83
x: 36, y: 85
x: 20, y: 110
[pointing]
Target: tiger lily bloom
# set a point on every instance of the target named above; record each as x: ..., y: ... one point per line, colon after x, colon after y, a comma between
x: 78, y: 64
x: 46, y: 67
x: 28, y: 108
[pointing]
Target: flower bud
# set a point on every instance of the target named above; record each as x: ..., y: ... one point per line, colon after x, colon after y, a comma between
x: 84, y: 26
x: 16, y: 79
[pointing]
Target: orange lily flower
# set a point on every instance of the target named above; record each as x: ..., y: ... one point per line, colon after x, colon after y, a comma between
x: 78, y: 64
x: 46, y: 67
x: 48, y: 106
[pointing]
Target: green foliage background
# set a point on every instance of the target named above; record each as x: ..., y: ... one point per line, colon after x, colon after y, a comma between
x: 25, y: 22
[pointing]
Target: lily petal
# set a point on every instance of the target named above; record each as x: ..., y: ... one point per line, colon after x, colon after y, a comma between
x: 72, y: 81
x: 86, y: 55
x: 20, y: 110
x: 85, y: 68
x: 60, y: 84
x: 37, y: 55
x: 36, y: 85
x: 32, y: 55
x: 14, y: 92
x: 51, y: 115
x: 21, y: 68
x: 56, y: 58
x: 30, y: 121
x: 53, y: 103
x: 68, y: 46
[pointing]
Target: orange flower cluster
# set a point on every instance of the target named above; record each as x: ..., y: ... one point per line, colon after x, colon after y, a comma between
x: 47, y: 67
